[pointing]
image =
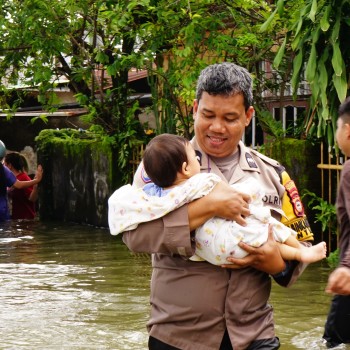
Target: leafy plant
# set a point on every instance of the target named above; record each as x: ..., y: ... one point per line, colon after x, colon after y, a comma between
x: 325, y: 212
x: 333, y: 258
x: 326, y: 215
x: 271, y: 126
x: 315, y: 41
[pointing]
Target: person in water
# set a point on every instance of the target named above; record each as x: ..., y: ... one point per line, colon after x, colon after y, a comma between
x: 8, y: 180
x: 23, y: 200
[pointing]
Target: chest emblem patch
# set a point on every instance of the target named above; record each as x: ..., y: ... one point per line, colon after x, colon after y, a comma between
x: 250, y: 161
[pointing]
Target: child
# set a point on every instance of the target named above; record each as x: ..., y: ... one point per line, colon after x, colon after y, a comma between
x: 337, y: 329
x: 172, y: 165
x: 23, y: 200
x: 8, y: 179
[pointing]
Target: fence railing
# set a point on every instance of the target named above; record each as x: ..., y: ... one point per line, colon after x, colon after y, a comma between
x: 331, y: 166
x: 137, y: 153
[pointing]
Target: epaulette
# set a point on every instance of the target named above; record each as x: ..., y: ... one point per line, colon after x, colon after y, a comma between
x: 267, y: 159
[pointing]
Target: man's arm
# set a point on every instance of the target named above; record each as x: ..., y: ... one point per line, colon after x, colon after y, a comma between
x: 223, y: 201
x: 167, y: 235
x: 339, y: 279
x: 171, y: 234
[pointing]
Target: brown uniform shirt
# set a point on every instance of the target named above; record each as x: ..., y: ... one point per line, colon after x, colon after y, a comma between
x: 192, y: 303
x: 343, y: 215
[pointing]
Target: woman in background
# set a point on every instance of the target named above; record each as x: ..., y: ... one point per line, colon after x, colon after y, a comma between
x: 9, y: 180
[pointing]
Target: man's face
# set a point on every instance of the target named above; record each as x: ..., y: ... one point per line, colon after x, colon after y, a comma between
x: 219, y: 123
x: 343, y: 136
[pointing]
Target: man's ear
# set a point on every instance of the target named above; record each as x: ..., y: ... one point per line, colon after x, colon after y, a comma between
x: 249, y: 115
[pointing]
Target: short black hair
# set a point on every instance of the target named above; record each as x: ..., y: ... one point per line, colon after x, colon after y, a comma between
x: 226, y: 79
x: 344, y: 111
x: 163, y: 158
x: 17, y: 160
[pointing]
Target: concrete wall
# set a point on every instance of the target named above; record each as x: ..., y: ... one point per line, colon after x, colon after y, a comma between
x: 78, y: 180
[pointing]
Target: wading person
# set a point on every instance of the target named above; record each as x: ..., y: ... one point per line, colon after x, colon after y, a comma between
x: 197, y: 305
x: 337, y: 328
x: 8, y: 179
x: 22, y: 200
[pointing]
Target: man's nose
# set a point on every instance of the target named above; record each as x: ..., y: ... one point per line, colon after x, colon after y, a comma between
x: 217, y: 125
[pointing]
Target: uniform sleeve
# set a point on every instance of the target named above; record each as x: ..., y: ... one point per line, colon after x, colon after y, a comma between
x: 296, y: 220
x: 168, y: 235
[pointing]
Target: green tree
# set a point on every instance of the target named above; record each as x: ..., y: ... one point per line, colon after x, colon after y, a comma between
x: 78, y: 39
x: 315, y: 40
x: 187, y: 36
x: 91, y: 44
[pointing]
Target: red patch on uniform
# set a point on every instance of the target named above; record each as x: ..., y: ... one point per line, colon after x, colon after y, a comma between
x: 293, y: 194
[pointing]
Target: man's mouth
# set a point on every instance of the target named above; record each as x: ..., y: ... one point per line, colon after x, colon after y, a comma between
x: 216, y: 139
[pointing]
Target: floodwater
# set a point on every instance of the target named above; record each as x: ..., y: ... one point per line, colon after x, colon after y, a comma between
x: 67, y: 286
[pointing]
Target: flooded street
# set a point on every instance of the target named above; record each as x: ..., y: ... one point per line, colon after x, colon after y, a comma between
x: 67, y: 286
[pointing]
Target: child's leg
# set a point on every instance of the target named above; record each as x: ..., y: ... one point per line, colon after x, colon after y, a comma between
x: 291, y: 249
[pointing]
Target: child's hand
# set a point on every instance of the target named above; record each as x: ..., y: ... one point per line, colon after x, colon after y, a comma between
x: 39, y: 173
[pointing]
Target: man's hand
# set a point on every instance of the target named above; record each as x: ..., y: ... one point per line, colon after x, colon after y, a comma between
x: 223, y: 201
x: 339, y: 281
x: 266, y: 258
x: 229, y: 203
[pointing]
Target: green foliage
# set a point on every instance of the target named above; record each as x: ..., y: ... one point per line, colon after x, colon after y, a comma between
x: 188, y: 35
x: 325, y: 212
x: 316, y: 38
x: 42, y: 117
x: 333, y: 258
x: 271, y: 126
x: 93, y: 46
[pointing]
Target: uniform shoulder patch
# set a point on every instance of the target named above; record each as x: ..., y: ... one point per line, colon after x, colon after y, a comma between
x: 250, y: 161
x: 295, y: 200
x: 266, y: 159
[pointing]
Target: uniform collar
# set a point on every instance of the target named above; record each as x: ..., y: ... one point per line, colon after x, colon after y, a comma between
x: 246, y: 162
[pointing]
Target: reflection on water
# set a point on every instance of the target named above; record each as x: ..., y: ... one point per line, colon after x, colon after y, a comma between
x: 66, y: 286
x: 70, y: 287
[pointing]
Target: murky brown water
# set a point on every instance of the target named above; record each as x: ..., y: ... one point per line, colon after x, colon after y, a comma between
x: 66, y: 286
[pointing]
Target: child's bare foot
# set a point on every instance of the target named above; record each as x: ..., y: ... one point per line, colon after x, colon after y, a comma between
x: 314, y: 253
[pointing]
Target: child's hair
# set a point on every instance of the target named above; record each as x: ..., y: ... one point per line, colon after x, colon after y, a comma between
x: 344, y: 111
x: 163, y: 158
x: 17, y: 160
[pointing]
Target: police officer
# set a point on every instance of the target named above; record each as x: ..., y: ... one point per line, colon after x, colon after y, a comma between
x: 196, y: 305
